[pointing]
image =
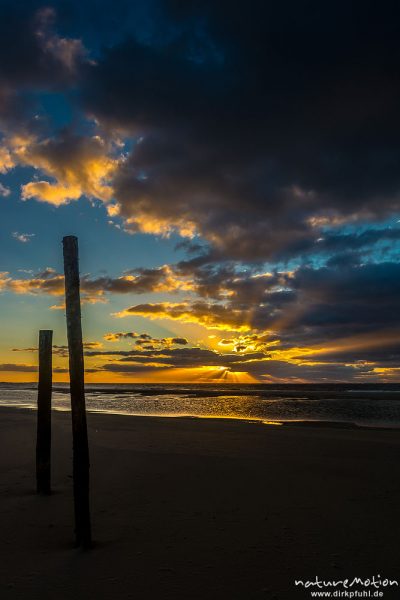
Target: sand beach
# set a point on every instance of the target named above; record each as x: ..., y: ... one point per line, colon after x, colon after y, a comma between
x: 199, y: 508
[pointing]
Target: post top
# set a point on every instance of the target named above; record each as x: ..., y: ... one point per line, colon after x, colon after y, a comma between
x: 68, y: 238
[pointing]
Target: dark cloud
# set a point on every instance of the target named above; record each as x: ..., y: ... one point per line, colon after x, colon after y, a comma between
x: 268, y: 372
x: 161, y: 279
x: 286, y: 121
x: 182, y: 357
x: 260, y: 365
x: 12, y: 367
x: 137, y: 281
x: 251, y: 132
x: 25, y: 349
x: 32, y: 53
x: 177, y: 340
x: 117, y: 368
x: 21, y: 368
x: 34, y: 58
x: 308, y: 307
x: 63, y: 350
x: 120, y: 335
x: 275, y: 370
x: 142, y: 339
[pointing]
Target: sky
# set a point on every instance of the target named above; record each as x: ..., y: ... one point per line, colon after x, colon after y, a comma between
x: 232, y: 172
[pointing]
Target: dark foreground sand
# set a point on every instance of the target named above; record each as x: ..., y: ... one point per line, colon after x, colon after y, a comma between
x: 190, y: 509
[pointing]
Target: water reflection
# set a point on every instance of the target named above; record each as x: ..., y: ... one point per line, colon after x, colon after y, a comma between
x: 366, y: 406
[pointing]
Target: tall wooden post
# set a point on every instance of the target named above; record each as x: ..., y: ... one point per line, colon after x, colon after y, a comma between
x: 43, y: 440
x: 76, y: 370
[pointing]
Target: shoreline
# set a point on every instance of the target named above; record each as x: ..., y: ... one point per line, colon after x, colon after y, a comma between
x: 251, y: 421
x: 349, y: 389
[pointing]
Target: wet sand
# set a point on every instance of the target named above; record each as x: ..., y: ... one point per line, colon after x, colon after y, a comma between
x: 199, y: 508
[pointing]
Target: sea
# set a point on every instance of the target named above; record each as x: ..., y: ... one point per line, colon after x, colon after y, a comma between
x: 362, y: 405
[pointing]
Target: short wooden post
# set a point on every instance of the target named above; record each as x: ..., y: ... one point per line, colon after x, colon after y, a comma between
x: 77, y: 388
x: 43, y: 440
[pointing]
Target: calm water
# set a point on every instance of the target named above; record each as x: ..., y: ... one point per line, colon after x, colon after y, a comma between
x: 364, y: 405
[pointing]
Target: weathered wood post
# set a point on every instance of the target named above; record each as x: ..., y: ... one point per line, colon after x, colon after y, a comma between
x: 43, y: 440
x: 77, y: 388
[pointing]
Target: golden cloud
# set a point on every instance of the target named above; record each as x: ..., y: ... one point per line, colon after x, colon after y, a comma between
x: 80, y: 166
x: 6, y: 160
x: 47, y: 282
x: 211, y: 316
x: 76, y: 166
x: 51, y: 193
x: 156, y: 225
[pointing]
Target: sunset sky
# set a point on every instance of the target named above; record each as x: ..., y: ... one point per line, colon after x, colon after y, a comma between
x: 232, y: 172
